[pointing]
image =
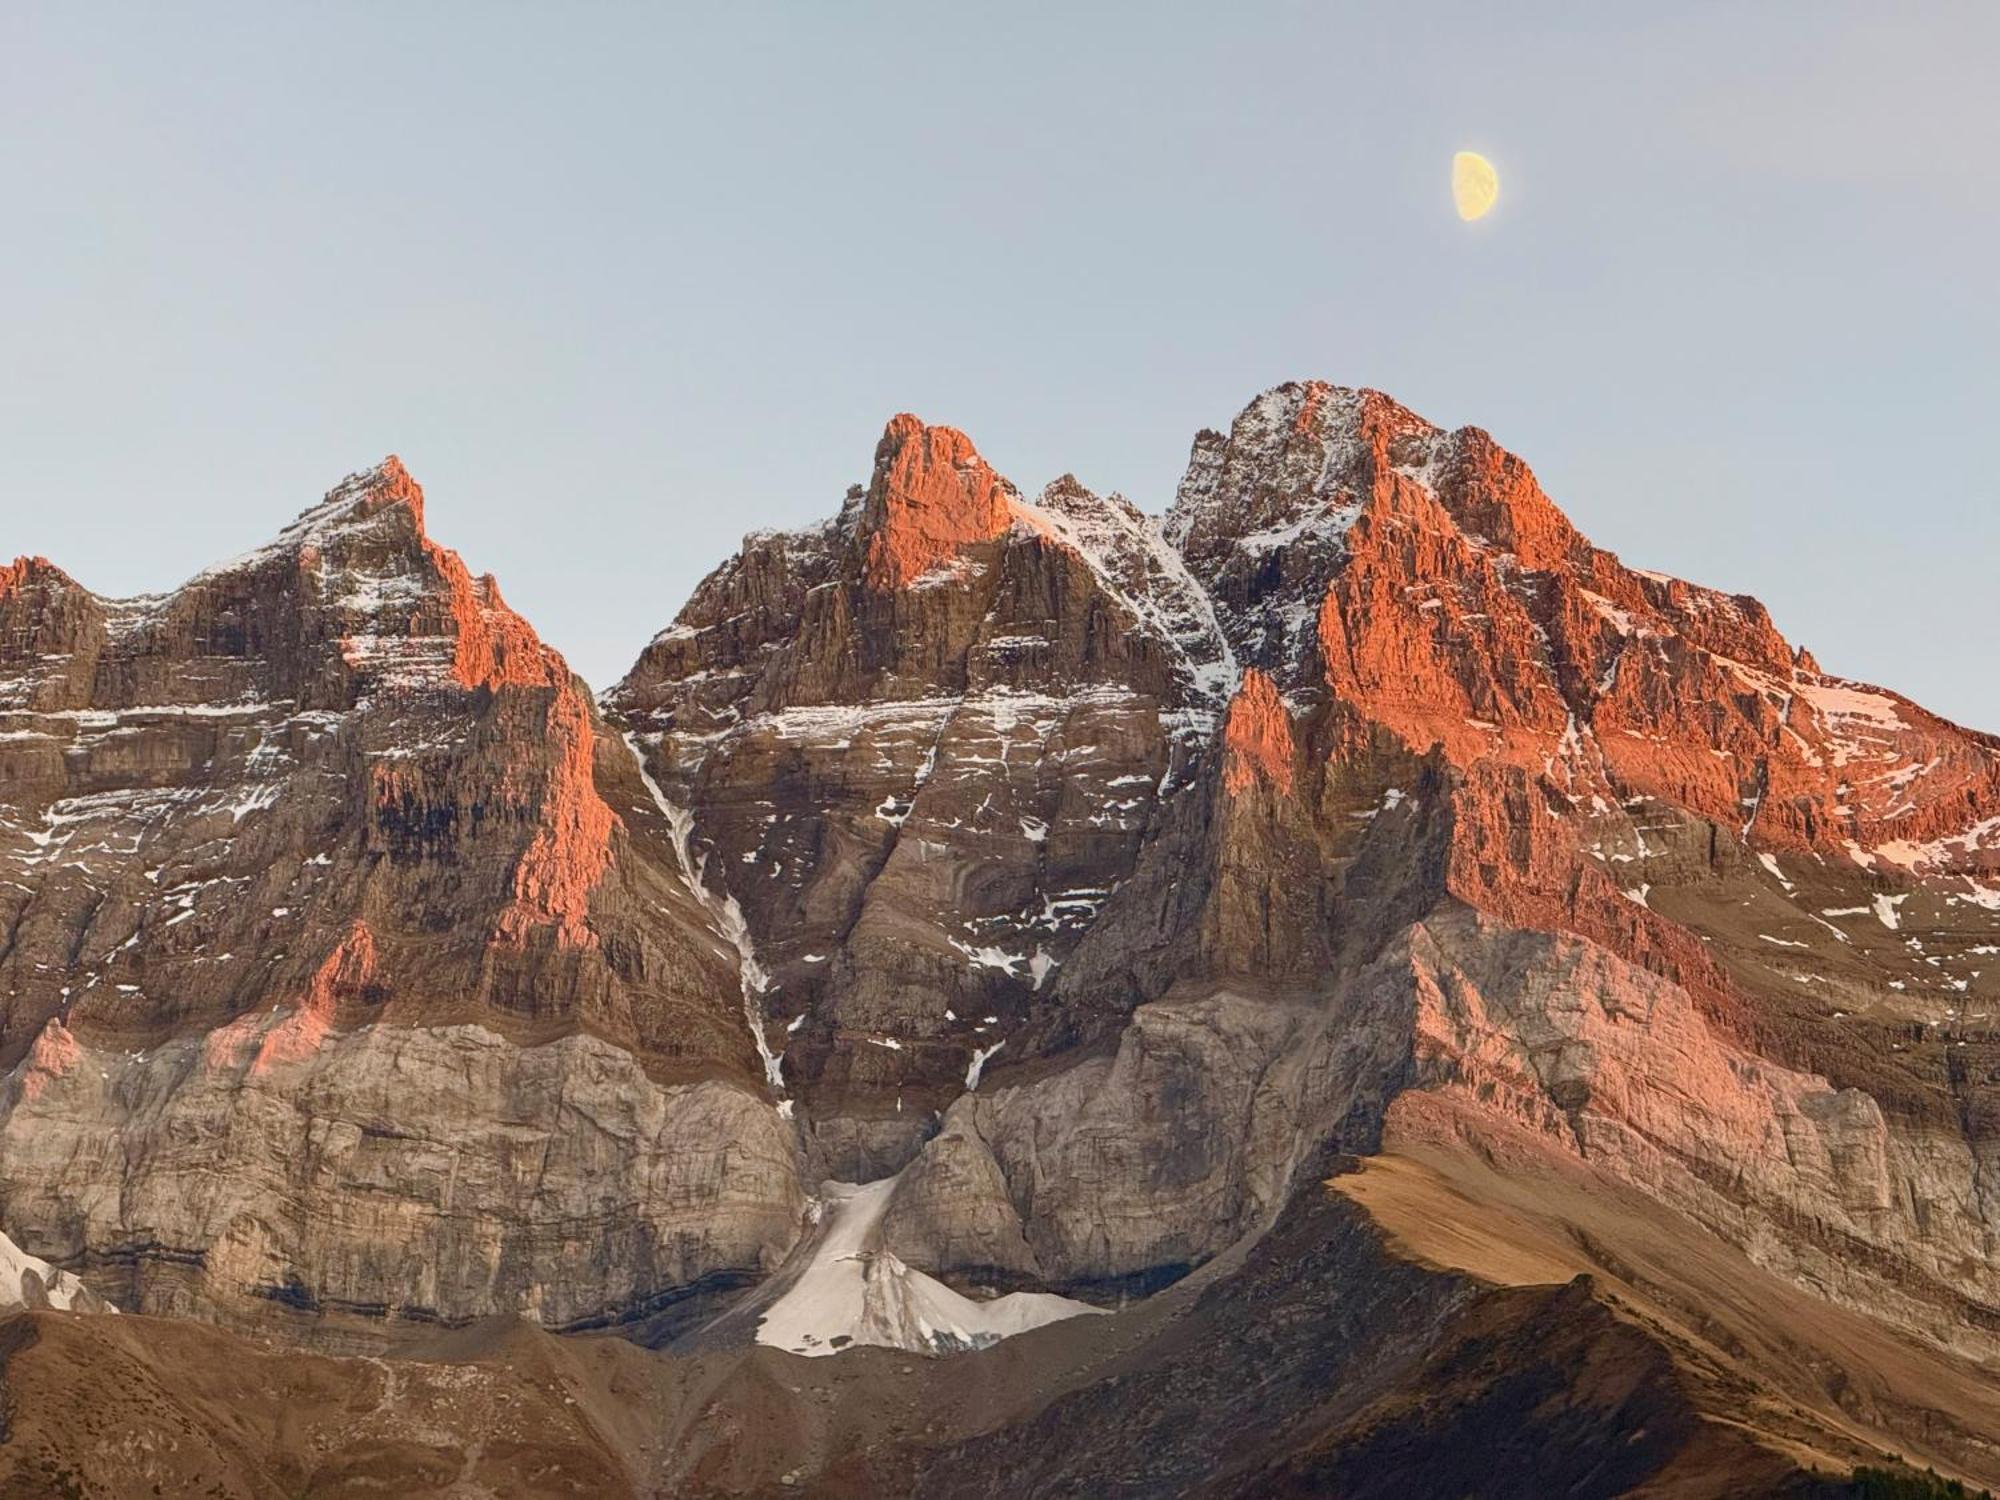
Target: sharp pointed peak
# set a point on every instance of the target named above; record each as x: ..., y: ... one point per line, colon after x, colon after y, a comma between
x: 363, y: 495
x: 930, y: 495
x: 935, y: 443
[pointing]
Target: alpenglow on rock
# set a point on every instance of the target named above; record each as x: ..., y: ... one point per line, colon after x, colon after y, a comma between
x: 985, y: 918
x: 319, y: 874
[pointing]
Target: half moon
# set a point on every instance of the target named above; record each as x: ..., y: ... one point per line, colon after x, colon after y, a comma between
x: 1475, y: 186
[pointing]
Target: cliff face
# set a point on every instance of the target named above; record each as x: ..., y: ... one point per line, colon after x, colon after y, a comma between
x: 1103, y: 866
x: 922, y: 745
x: 308, y: 867
x: 1090, y: 875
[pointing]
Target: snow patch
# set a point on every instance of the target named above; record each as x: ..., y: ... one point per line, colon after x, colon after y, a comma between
x: 853, y: 1291
x: 978, y: 1063
x: 63, y: 1288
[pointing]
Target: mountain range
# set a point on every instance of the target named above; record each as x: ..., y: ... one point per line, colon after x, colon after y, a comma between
x: 1343, y: 988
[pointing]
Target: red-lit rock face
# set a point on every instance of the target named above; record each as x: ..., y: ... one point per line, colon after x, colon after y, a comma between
x: 1257, y: 737
x: 261, y: 1045
x: 932, y: 496
x: 1452, y: 603
x: 1105, y: 870
x: 323, y: 842
x: 494, y: 650
x: 356, y: 734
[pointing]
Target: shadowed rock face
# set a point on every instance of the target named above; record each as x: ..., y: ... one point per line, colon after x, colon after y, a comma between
x: 923, y: 778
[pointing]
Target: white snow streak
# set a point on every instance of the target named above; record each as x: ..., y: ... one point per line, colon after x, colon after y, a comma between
x: 853, y: 1291
x: 724, y: 909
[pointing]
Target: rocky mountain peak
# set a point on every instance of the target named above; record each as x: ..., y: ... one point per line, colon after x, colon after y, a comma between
x: 1305, y: 461
x: 363, y: 495
x: 931, y: 496
x: 1290, y: 463
x: 1055, y: 886
x: 1262, y: 514
x: 25, y: 572
x: 42, y: 610
x: 360, y: 570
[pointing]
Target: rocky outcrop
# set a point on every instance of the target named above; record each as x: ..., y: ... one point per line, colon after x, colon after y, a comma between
x: 412, y: 1175
x: 1257, y: 737
x: 1122, y: 1173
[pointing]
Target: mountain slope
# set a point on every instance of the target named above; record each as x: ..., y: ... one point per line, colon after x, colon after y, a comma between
x: 1430, y: 793
x: 1331, y: 1358
x: 327, y: 905
x: 1073, y: 891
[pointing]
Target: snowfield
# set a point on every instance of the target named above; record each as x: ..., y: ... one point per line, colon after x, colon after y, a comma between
x: 851, y: 1291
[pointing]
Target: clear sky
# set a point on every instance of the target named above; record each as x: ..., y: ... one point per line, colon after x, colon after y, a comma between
x: 620, y: 283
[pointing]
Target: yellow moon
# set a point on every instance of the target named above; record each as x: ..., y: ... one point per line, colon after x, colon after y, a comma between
x: 1475, y: 186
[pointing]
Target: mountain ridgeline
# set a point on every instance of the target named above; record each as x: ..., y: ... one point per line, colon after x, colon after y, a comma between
x: 1350, y: 925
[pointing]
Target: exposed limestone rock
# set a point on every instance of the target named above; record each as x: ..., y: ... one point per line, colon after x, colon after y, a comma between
x: 326, y: 795
x: 1119, y: 1173
x: 1618, y: 1066
x: 409, y: 1173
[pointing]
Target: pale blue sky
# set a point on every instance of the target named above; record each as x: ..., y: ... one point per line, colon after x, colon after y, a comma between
x: 622, y: 282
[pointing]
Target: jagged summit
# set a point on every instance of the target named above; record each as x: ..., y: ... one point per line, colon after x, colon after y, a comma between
x: 1303, y: 460
x: 25, y: 570
x: 985, y: 892
x: 359, y: 497
x: 931, y: 495
x: 384, y: 492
